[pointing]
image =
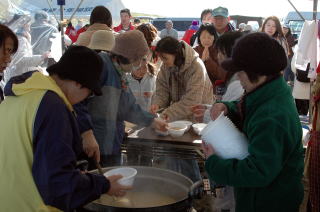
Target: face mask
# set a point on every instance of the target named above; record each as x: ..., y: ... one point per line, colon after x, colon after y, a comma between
x: 135, y: 68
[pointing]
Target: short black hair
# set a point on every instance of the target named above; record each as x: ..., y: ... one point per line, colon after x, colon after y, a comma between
x: 136, y: 20
x: 226, y: 42
x: 209, y: 28
x: 205, y: 12
x: 126, y: 11
x: 101, y: 15
x: 170, y: 45
x: 6, y: 32
x: 119, y: 58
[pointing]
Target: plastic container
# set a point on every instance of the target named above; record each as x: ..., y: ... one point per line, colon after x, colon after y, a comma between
x: 127, y: 173
x: 227, y: 141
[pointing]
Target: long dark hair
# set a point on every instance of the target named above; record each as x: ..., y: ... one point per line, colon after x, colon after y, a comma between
x: 101, y: 15
x: 279, y: 32
x: 170, y: 45
x: 210, y: 29
x: 150, y: 33
x: 225, y: 43
x: 289, y: 32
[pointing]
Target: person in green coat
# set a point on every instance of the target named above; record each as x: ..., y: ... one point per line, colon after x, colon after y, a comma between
x: 269, y: 179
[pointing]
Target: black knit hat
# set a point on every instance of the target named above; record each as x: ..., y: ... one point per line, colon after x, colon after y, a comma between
x: 82, y: 65
x: 256, y: 53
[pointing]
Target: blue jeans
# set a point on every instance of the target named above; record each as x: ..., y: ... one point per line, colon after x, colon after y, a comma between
x: 288, y: 74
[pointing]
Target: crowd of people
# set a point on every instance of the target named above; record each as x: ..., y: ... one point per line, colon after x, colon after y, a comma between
x: 77, y: 107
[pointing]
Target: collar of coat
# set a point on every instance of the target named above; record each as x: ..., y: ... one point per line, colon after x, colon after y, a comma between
x: 267, y: 91
x: 98, y: 26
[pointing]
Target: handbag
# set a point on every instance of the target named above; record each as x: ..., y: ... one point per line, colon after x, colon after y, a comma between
x: 302, y: 76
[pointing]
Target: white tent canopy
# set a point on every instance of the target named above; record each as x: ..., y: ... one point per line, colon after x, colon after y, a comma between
x: 84, y: 10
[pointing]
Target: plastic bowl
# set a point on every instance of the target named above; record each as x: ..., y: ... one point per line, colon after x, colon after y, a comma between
x: 188, y: 123
x: 176, y: 129
x: 128, y: 175
x: 162, y: 133
x: 197, y: 128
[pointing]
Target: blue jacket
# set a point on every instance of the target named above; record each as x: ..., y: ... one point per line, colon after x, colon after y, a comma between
x: 109, y: 111
x: 54, y: 141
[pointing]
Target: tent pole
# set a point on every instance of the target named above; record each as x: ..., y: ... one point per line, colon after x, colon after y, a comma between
x: 297, y: 11
x: 315, y: 6
x: 61, y: 3
x: 61, y: 28
x: 54, y: 15
x: 74, y: 12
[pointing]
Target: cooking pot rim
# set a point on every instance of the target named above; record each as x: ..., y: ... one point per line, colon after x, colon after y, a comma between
x: 191, y: 187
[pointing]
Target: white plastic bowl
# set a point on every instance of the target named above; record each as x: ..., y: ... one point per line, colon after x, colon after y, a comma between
x: 197, y: 128
x: 187, y: 123
x: 128, y: 175
x: 176, y: 129
x: 226, y: 139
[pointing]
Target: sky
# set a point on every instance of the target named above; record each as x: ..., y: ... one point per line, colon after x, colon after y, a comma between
x: 187, y: 8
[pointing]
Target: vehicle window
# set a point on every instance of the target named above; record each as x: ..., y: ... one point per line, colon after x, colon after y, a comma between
x: 296, y: 27
x: 254, y: 24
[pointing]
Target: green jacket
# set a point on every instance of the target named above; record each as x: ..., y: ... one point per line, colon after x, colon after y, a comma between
x: 270, y: 178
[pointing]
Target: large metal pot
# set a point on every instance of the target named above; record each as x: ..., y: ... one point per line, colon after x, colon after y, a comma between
x: 180, y: 189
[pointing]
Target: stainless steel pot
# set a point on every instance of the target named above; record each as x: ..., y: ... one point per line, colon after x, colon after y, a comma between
x: 177, y: 187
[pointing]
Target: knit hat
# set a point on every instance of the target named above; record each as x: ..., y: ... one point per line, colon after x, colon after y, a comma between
x: 256, y: 53
x: 82, y: 65
x: 102, y: 40
x: 131, y: 45
x: 220, y: 11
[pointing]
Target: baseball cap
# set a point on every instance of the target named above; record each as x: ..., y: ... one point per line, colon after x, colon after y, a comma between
x: 220, y: 11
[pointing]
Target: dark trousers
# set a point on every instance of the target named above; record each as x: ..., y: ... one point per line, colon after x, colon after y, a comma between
x: 302, y: 106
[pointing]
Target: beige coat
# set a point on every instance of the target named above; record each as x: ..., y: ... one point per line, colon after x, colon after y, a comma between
x: 85, y: 37
x: 194, y: 83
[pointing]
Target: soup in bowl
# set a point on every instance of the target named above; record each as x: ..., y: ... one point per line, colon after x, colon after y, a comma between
x: 176, y: 129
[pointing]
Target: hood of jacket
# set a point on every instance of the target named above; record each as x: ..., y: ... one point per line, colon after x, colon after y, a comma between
x: 32, y: 81
x: 97, y: 26
x: 189, y: 54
